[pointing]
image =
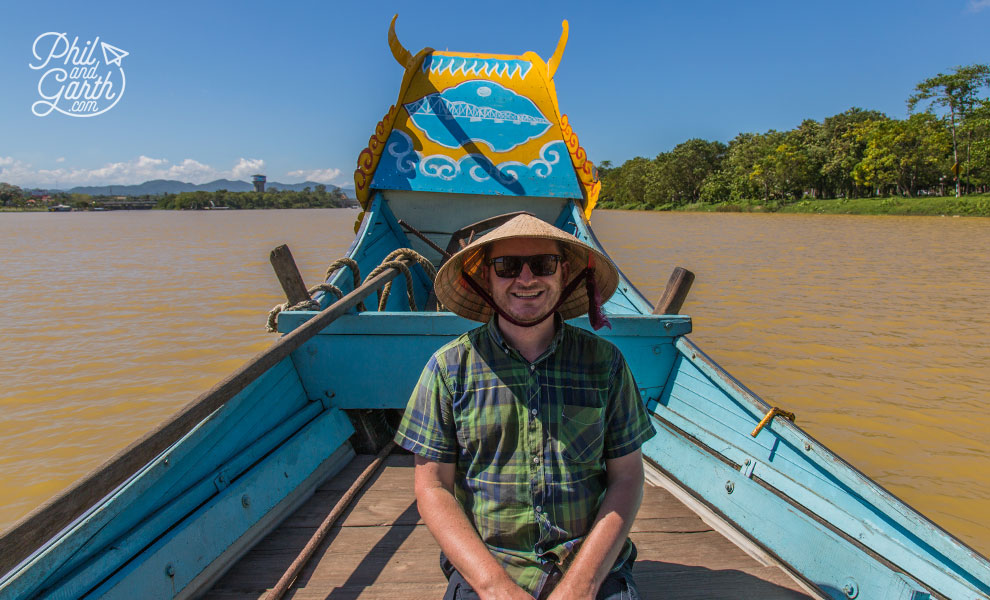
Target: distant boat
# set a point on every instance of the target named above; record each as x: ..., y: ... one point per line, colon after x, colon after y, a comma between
x: 60, y: 208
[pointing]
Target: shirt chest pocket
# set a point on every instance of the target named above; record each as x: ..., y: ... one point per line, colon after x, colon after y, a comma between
x: 581, y: 430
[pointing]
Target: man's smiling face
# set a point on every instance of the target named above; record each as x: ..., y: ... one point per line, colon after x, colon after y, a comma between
x: 526, y: 297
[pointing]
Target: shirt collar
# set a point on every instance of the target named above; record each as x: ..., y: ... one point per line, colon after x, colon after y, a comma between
x: 496, y: 335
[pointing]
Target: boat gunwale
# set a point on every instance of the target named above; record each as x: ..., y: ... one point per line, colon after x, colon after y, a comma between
x: 18, y: 545
x: 940, y: 544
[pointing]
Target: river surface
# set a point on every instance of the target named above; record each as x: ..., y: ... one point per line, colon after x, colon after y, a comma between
x: 872, y: 329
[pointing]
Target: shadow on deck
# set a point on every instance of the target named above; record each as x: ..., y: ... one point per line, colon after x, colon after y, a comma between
x: 381, y: 549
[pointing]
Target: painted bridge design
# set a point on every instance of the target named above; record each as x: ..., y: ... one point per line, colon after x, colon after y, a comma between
x: 434, y: 104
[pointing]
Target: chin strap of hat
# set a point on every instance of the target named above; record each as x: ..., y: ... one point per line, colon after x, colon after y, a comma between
x: 594, y: 300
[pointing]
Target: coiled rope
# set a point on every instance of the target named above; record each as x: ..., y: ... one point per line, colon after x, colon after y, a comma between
x: 391, y: 261
x: 355, y: 271
x: 310, y: 304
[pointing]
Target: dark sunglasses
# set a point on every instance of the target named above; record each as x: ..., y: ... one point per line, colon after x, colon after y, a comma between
x: 541, y: 265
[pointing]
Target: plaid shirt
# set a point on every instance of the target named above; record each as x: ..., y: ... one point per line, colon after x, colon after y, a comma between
x: 529, y: 439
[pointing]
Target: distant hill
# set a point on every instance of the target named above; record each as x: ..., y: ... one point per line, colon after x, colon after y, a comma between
x: 157, y: 187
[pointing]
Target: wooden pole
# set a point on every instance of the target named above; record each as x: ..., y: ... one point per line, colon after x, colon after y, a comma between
x: 428, y: 241
x: 289, y: 577
x: 40, y: 525
x: 675, y: 293
x: 288, y: 275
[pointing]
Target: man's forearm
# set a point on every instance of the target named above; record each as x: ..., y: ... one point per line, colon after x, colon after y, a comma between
x: 460, y: 542
x: 458, y: 539
x: 602, y: 545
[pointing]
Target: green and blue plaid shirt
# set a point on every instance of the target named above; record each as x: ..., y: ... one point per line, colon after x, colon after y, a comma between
x: 529, y: 440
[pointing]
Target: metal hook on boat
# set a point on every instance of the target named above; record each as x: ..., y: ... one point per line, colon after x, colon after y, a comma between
x: 773, y: 412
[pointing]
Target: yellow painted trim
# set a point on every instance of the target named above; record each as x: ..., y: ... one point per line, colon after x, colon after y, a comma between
x: 476, y: 55
x: 585, y: 169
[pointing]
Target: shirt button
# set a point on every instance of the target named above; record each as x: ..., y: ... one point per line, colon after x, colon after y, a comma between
x: 536, y: 460
x: 532, y: 367
x: 534, y: 412
x: 539, y: 509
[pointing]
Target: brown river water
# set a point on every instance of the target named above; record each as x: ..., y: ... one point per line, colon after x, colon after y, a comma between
x: 872, y: 329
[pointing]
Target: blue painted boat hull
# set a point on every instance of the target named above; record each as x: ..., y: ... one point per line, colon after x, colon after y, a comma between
x: 174, y: 526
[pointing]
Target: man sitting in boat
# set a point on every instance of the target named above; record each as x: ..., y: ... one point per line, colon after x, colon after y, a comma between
x: 527, y: 430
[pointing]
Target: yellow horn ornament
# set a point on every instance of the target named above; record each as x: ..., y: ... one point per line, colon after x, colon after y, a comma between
x: 401, y: 54
x: 554, y: 61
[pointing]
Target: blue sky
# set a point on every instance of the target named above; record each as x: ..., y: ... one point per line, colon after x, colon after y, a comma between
x: 294, y: 90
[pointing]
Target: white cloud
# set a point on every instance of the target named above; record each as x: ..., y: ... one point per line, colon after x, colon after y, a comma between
x: 138, y: 170
x: 317, y: 175
x: 192, y: 171
x: 144, y: 168
x: 978, y: 5
x: 14, y: 171
x: 247, y: 167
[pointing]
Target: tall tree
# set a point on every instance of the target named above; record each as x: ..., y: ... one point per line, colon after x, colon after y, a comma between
x: 660, y: 187
x: 957, y: 93
x: 746, y: 151
x: 691, y: 162
x: 903, y: 155
x: 809, y: 140
x: 980, y: 122
x: 9, y: 193
x: 843, y: 151
x: 765, y: 166
x: 626, y: 184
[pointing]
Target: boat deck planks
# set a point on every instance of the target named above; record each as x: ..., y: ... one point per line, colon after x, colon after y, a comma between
x: 381, y: 549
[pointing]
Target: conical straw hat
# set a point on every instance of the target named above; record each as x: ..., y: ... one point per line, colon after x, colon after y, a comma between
x: 457, y: 296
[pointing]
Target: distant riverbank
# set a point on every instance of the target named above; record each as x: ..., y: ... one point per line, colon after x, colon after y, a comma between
x: 976, y: 205
x: 17, y: 199
x: 15, y: 209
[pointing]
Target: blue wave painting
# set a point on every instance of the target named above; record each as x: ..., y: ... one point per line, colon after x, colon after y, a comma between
x: 487, y: 67
x: 478, y: 111
x: 549, y: 174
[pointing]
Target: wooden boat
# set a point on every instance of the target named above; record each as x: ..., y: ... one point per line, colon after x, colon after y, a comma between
x: 471, y: 137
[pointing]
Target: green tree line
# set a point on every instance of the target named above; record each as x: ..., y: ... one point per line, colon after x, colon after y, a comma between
x: 943, y: 146
x: 12, y: 196
x: 317, y: 197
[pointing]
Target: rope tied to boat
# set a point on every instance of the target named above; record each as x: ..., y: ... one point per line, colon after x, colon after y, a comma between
x: 355, y: 272
x: 272, y: 325
x: 393, y: 260
x: 327, y: 288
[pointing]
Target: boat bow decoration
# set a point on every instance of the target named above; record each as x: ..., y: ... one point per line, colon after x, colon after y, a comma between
x: 485, y: 124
